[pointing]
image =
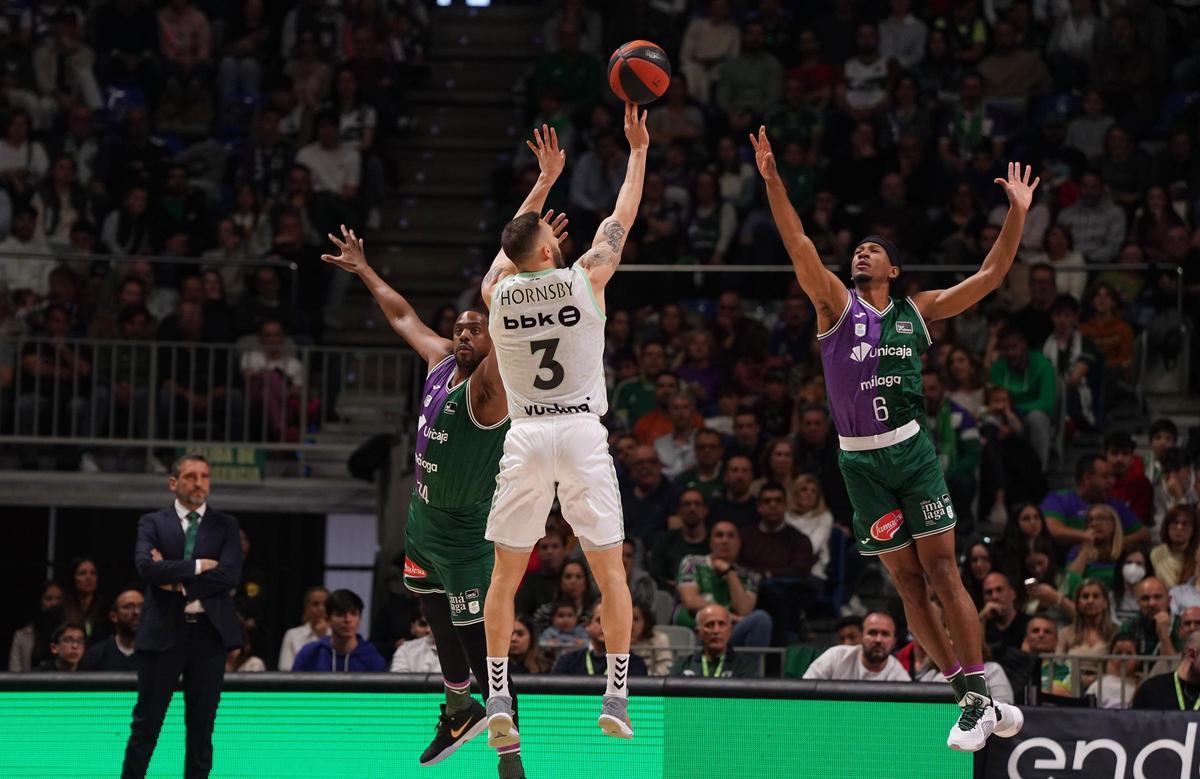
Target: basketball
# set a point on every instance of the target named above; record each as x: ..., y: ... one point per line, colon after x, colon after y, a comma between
x: 639, y: 72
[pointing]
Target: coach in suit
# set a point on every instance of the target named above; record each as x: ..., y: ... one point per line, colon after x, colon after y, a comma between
x: 190, y: 557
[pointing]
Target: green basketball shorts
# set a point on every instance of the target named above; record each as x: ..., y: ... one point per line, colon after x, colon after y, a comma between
x: 898, y: 493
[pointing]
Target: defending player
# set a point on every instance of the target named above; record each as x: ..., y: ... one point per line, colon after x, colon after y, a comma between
x: 460, y: 434
x: 547, y: 324
x: 871, y: 346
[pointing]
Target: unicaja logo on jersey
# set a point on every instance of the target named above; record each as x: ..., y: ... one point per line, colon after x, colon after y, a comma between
x: 864, y: 350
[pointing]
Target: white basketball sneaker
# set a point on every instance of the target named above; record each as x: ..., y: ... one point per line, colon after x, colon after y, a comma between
x: 976, y: 722
x: 1009, y: 720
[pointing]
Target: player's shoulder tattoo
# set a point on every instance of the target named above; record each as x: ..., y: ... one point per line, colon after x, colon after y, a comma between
x: 614, y: 234
x: 597, y: 257
x: 494, y: 275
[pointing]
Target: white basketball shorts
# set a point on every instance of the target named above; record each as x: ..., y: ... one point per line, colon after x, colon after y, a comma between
x: 571, y: 450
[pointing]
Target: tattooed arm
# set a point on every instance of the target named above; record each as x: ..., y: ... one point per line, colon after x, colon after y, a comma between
x: 601, y: 261
x: 551, y: 161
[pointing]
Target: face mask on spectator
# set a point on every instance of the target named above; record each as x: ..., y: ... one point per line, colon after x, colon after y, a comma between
x: 1133, y: 573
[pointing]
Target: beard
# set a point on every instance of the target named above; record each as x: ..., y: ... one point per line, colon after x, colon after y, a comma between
x: 467, y: 363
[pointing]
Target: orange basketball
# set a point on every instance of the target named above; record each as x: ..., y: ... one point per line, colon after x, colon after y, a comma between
x: 639, y: 72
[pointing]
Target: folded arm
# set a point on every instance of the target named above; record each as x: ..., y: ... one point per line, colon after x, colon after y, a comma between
x: 158, y: 572
x: 228, y: 572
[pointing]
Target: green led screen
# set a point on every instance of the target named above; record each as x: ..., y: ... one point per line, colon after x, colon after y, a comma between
x: 363, y: 735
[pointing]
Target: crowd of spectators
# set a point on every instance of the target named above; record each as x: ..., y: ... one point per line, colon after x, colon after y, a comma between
x: 196, y: 131
x: 891, y: 119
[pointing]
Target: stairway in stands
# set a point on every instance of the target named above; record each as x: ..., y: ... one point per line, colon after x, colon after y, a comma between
x: 440, y: 220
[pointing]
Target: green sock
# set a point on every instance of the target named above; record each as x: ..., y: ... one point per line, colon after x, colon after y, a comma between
x: 458, y: 698
x: 510, y: 766
x: 958, y: 683
x: 976, y: 682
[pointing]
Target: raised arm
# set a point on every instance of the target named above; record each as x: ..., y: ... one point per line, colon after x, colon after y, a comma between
x: 601, y: 261
x: 400, y: 314
x: 551, y: 161
x: 825, y: 290
x: 945, y: 303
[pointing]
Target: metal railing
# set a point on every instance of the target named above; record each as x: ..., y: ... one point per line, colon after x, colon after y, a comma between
x: 109, y: 393
x: 1095, y: 667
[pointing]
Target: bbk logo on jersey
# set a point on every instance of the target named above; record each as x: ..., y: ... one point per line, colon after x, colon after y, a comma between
x: 933, y: 511
x: 864, y: 350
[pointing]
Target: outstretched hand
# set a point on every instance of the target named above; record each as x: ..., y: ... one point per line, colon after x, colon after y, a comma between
x: 558, y: 225
x: 1017, y: 186
x: 763, y: 156
x: 635, y: 128
x: 352, y: 255
x: 551, y: 159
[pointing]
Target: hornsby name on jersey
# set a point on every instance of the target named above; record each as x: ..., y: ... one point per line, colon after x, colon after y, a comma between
x: 517, y: 296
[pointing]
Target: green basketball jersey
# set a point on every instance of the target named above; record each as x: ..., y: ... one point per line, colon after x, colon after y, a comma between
x: 457, y: 460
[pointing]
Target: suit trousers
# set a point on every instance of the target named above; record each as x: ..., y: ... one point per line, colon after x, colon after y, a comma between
x: 198, y: 655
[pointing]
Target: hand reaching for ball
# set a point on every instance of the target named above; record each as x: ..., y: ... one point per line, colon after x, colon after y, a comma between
x: 635, y: 128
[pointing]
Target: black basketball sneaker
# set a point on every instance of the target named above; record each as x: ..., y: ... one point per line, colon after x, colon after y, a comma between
x: 453, y: 732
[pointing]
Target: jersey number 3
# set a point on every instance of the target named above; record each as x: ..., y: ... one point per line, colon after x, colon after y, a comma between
x: 548, y: 363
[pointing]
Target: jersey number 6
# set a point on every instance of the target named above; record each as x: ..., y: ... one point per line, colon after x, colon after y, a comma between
x: 548, y: 363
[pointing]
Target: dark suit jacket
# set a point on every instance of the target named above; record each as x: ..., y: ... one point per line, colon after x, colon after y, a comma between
x: 162, y: 613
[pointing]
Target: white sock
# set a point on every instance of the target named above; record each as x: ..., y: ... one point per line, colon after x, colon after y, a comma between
x: 618, y: 675
x: 498, y: 676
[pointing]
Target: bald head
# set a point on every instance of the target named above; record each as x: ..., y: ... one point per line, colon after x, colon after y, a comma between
x: 1151, y: 596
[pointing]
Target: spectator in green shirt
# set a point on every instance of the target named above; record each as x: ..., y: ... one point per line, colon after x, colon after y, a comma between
x: 717, y: 578
x: 714, y: 627
x: 569, y: 71
x: 691, y: 538
x: 956, y: 439
x: 706, y: 476
x: 1030, y: 380
x: 634, y: 398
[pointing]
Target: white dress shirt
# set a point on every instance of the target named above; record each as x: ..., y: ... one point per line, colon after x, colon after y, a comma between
x: 294, y: 640
x: 418, y: 655
x: 193, y: 606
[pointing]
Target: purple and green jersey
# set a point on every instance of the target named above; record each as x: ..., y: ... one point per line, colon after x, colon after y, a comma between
x: 872, y: 363
x: 457, y: 459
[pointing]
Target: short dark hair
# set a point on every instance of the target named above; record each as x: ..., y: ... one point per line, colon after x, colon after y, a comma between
x: 1042, y: 266
x: 1086, y: 465
x: 1119, y: 441
x: 57, y: 635
x: 849, y: 621
x: 517, y: 240
x: 707, y: 432
x: 343, y: 602
x: 177, y: 466
x: 1008, y: 331
x: 1175, y: 459
x: 558, y: 533
x: 324, y: 118
x: 129, y: 313
x: 1065, y: 303
x: 811, y: 407
x: 696, y: 490
x: 771, y: 486
x: 1164, y: 426
x: 563, y: 603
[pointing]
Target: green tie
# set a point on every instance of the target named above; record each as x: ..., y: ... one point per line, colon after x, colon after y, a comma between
x: 189, y: 538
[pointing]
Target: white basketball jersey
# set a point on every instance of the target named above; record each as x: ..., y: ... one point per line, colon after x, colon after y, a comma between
x: 548, y: 333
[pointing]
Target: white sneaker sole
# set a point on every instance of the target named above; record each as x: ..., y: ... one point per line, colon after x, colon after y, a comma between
x: 501, y: 731
x: 612, y: 726
x: 966, y: 746
x: 475, y: 730
x: 1011, y: 723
